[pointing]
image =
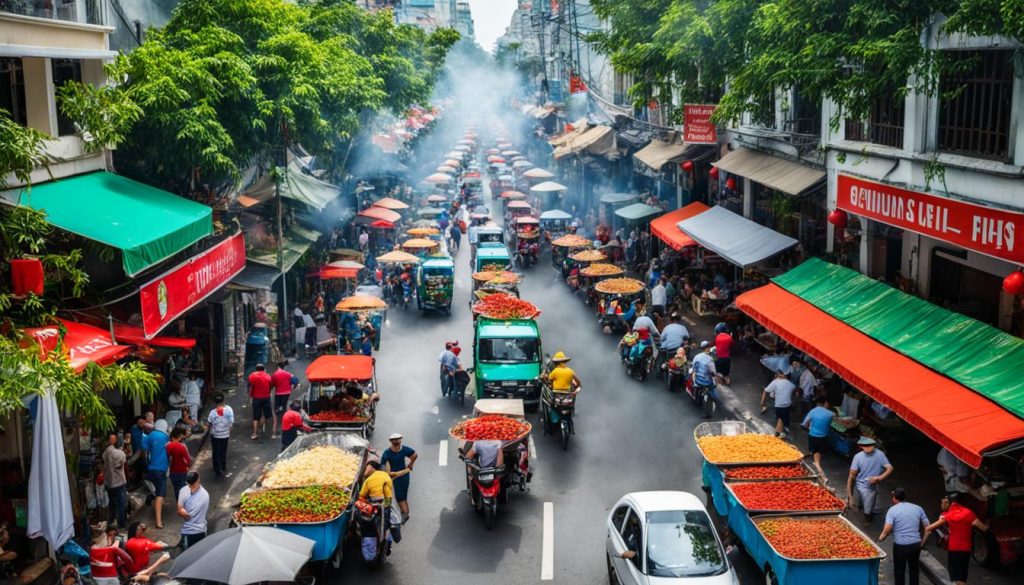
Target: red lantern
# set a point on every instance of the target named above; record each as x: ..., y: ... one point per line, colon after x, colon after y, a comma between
x: 27, y: 276
x: 1014, y: 283
x: 713, y: 173
x: 686, y: 165
x: 838, y: 218
x: 730, y: 184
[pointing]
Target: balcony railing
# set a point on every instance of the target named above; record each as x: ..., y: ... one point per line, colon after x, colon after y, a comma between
x: 79, y: 11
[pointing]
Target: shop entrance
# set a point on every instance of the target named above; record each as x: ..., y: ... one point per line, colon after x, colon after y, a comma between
x: 964, y: 289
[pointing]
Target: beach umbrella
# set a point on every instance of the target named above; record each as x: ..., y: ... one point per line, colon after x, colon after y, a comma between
x: 382, y: 224
x: 510, y: 152
x: 522, y: 164
x: 513, y: 195
x: 452, y: 163
x: 455, y: 155
x: 555, y: 214
x: 429, y: 211
x: 416, y: 243
x: 462, y: 148
x: 495, y: 159
x: 244, y: 555
x: 423, y: 231
x: 517, y: 157
x: 491, y: 151
x: 548, y: 187
x: 438, y: 179
x: 519, y: 204
x: 397, y: 257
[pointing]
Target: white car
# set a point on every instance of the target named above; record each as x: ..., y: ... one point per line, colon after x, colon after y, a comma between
x: 663, y: 538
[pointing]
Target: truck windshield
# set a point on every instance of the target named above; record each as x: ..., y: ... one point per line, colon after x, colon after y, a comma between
x: 682, y: 543
x: 508, y: 351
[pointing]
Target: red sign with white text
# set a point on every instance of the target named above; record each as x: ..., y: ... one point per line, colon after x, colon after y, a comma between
x: 975, y: 227
x: 697, y: 125
x: 167, y: 297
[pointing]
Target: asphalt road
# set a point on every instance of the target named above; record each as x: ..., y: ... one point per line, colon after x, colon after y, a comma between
x: 631, y: 436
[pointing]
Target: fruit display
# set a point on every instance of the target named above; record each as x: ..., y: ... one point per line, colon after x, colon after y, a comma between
x: 337, y: 416
x: 815, y: 538
x: 786, y: 496
x: 323, y: 465
x: 496, y: 277
x: 572, y: 241
x: 600, y: 269
x: 416, y: 243
x: 588, y: 256
x: 490, y: 427
x: 745, y: 447
x: 437, y: 289
x: 305, y: 504
x: 423, y: 231
x: 492, y: 267
x: 622, y: 286
x: 790, y: 471
x: 504, y: 306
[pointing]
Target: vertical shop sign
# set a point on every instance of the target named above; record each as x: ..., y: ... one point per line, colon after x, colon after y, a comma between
x: 697, y: 125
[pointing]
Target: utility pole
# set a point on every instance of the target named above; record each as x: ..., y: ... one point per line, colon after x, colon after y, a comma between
x: 280, y: 174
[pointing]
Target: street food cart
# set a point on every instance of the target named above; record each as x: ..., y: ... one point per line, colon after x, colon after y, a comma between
x: 435, y: 281
x: 360, y: 316
x: 326, y: 402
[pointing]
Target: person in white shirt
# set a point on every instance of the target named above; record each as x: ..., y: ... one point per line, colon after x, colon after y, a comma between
x: 659, y: 297
x: 782, y: 391
x: 219, y: 422
x: 806, y: 382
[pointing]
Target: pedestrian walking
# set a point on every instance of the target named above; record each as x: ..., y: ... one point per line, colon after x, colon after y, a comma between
x: 960, y: 522
x: 219, y: 424
x: 291, y: 422
x: 114, y: 458
x: 448, y: 366
x: 907, y: 523
x: 659, y: 298
x: 818, y: 423
x: 868, y: 468
x: 193, y: 504
x: 259, y: 393
x: 803, y: 377
x: 456, y: 235
x: 399, y: 460
x: 723, y: 352
x: 180, y: 459
x: 155, y: 446
x: 781, y: 390
x: 283, y: 382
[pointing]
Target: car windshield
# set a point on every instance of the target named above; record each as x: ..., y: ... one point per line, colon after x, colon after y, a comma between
x: 508, y: 351
x: 682, y: 544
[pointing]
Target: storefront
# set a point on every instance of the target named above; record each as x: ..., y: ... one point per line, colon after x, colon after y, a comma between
x: 658, y: 171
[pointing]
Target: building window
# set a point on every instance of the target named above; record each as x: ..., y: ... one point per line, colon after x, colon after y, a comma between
x: 806, y: 115
x: 65, y: 70
x: 763, y: 114
x: 974, y: 104
x: 12, y: 89
x: 884, y: 124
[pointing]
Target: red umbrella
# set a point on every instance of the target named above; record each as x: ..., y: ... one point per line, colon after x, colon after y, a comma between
x: 383, y: 224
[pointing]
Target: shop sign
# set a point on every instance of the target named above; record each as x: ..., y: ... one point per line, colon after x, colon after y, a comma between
x: 978, y: 228
x: 697, y: 125
x: 167, y: 297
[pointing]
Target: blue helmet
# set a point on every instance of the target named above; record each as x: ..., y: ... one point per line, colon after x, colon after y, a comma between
x: 721, y: 328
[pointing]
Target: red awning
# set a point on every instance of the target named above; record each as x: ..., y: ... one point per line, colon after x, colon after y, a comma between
x: 664, y: 227
x: 327, y: 368
x: 331, y: 272
x: 381, y: 213
x: 84, y: 344
x: 952, y: 415
x: 133, y: 334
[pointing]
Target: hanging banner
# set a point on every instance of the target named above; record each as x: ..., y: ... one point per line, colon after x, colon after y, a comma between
x: 982, y: 229
x: 697, y: 125
x: 167, y: 297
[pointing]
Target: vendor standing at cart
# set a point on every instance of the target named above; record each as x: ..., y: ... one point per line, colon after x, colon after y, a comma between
x: 868, y: 469
x: 291, y: 422
x: 399, y: 460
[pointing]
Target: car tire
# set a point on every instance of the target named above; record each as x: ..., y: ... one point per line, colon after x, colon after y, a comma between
x: 613, y: 579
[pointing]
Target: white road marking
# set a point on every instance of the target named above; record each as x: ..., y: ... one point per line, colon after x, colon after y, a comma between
x: 533, y: 448
x: 547, y: 559
x: 442, y: 455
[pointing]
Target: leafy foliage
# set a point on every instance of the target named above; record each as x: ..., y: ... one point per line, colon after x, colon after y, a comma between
x: 102, y: 115
x: 21, y: 150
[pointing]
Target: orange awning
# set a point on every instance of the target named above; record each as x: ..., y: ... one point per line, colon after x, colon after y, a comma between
x: 664, y: 227
x: 82, y: 344
x: 381, y: 213
x: 327, y: 368
x: 952, y: 415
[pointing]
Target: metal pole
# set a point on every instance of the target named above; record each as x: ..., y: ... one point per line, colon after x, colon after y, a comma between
x: 282, y: 324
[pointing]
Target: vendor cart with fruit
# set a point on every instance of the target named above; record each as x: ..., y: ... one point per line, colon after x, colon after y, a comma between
x: 788, y: 521
x: 308, y: 490
x: 489, y: 282
x: 342, y: 394
x: 435, y: 280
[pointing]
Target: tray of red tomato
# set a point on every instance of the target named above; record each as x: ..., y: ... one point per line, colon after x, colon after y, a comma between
x: 336, y: 417
x: 491, y: 427
x: 786, y: 471
x: 816, y: 538
x: 805, y: 497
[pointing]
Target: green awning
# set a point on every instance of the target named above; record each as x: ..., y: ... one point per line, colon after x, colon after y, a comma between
x: 297, y: 186
x: 294, y: 246
x: 637, y: 211
x: 147, y: 224
x: 976, y: 355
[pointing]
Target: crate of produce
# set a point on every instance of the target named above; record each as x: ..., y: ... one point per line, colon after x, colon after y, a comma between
x: 767, y: 497
x: 728, y: 443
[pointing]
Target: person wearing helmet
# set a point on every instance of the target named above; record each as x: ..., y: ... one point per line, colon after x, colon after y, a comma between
x: 562, y: 377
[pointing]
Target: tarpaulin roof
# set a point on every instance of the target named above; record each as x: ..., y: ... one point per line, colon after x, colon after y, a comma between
x: 953, y: 415
x: 133, y: 334
x: 381, y: 213
x: 734, y: 237
x: 340, y: 367
x: 637, y: 211
x: 598, y: 139
x: 771, y: 171
x: 83, y: 343
x: 293, y: 247
x: 976, y: 355
x: 333, y: 272
x: 658, y: 153
x: 256, y: 276
x: 578, y: 127
x: 297, y: 186
x: 147, y: 224
x: 664, y: 227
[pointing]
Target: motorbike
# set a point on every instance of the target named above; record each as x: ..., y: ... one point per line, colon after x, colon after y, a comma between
x: 491, y: 486
x: 701, y: 394
x: 640, y: 364
x: 557, y: 409
x: 406, y: 294
x: 374, y: 530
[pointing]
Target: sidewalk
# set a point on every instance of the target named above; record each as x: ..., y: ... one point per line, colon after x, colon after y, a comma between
x: 917, y: 474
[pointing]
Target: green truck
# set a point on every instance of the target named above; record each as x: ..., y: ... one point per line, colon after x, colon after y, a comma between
x: 507, y: 359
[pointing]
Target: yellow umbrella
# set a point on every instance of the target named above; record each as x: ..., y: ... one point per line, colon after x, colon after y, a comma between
x: 360, y: 302
x: 397, y: 257
x: 419, y: 243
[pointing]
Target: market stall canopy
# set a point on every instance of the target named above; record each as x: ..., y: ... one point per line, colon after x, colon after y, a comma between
x: 244, y: 555
x: 664, y: 227
x: 548, y: 187
x: 512, y: 195
x: 297, y: 186
x: 416, y: 243
x: 637, y: 211
x: 381, y: 224
x: 423, y: 231
x: 734, y: 237
x: 437, y: 199
x: 578, y: 127
x: 360, y: 302
x: 522, y: 164
x: 597, y: 140
x: 456, y: 155
x: 390, y: 203
x: 340, y: 269
x: 618, y: 198
x: 526, y: 219
x: 83, y: 344
x: 446, y: 169
x: 255, y: 276
x: 438, y: 179
x: 374, y: 212
x: 295, y: 244
x: 147, y: 224
x: 134, y: 335
x: 429, y: 211
x: 518, y: 205
x: 555, y: 214
x: 962, y: 419
x: 510, y: 153
x: 397, y: 257
x: 771, y: 171
x: 658, y: 153
x: 538, y: 174
x: 451, y: 162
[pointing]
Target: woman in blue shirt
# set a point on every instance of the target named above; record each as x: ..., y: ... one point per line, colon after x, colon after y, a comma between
x: 395, y: 459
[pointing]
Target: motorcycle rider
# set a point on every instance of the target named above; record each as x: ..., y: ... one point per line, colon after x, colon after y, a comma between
x: 377, y: 487
x: 673, y: 336
x: 488, y: 454
x: 704, y: 374
x: 561, y: 376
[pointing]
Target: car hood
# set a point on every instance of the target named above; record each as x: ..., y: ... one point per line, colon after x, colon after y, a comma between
x: 723, y: 579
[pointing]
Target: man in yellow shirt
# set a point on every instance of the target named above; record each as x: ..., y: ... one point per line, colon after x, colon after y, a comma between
x: 377, y: 484
x: 562, y: 378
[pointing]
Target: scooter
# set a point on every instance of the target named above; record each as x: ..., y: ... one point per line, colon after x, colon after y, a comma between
x: 374, y: 531
x: 485, y: 489
x: 701, y: 395
x: 406, y: 294
x: 640, y: 366
x: 557, y: 409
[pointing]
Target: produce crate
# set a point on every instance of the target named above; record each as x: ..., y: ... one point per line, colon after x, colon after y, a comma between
x: 808, y: 473
x: 735, y: 428
x: 733, y: 504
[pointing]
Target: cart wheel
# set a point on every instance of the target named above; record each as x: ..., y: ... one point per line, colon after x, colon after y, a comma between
x: 336, y: 558
x: 769, y: 577
x: 985, y: 550
x: 565, y: 434
x: 490, y: 517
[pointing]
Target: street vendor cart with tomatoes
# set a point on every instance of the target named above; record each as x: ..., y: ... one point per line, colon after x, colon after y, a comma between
x: 507, y: 358
x: 342, y: 393
x: 492, y: 257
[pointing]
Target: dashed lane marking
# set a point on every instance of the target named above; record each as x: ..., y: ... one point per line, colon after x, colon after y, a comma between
x: 547, y: 561
x: 442, y: 454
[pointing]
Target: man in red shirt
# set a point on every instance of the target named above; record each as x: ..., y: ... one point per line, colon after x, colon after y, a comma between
x: 283, y: 382
x: 723, y: 352
x: 139, y: 547
x: 179, y: 458
x: 259, y: 393
x: 106, y: 558
x: 960, y: 521
x: 291, y: 422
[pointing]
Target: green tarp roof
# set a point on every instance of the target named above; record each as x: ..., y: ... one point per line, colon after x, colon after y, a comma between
x: 147, y: 224
x: 297, y: 186
x: 637, y: 211
x: 976, y: 355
